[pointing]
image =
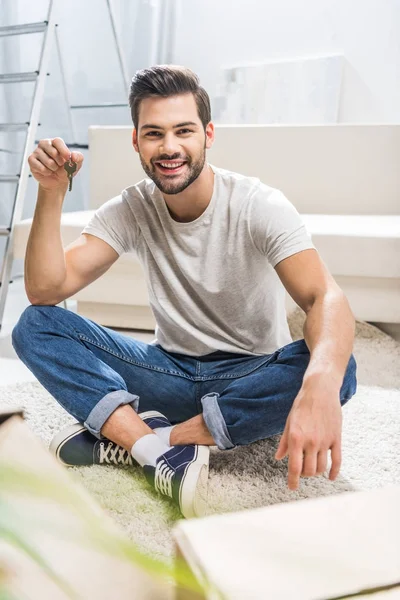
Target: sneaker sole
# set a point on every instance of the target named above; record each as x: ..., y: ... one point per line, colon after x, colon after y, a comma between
x: 194, y: 488
x: 61, y: 438
x: 151, y: 413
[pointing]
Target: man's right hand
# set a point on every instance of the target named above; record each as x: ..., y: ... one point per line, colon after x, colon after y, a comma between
x: 47, y: 164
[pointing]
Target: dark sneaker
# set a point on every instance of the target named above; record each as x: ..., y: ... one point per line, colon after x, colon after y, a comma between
x: 154, y: 419
x: 182, y: 474
x: 76, y: 446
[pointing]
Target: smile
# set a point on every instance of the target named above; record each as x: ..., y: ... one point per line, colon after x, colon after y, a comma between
x: 169, y: 170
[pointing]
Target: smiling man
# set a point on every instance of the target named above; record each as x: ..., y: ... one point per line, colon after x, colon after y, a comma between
x: 218, y: 249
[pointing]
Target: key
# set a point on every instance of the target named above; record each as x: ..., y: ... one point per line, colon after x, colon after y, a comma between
x: 70, y: 167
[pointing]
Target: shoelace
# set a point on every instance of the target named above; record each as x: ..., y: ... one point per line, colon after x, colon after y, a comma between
x: 163, y: 478
x: 114, y: 454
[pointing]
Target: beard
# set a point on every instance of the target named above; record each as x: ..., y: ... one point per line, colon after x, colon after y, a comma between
x: 174, y: 184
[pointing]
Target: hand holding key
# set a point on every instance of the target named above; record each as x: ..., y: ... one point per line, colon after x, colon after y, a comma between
x: 53, y: 164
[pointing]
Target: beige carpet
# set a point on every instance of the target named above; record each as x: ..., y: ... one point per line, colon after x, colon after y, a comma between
x: 249, y: 476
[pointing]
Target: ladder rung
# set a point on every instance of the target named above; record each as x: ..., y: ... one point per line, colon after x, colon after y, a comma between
x: 21, y: 29
x: 69, y: 145
x: 103, y: 105
x: 9, y: 178
x: 18, y: 77
x: 13, y: 126
x: 5, y: 231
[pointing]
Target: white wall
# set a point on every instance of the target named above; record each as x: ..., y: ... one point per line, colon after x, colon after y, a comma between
x: 207, y: 35
x: 212, y: 33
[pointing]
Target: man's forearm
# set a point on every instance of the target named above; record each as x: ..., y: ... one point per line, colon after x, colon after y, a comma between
x: 329, y: 332
x: 44, y: 258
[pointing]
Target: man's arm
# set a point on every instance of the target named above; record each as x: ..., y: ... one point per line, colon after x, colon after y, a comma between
x: 86, y: 259
x: 314, y: 423
x: 54, y: 273
x: 330, y: 325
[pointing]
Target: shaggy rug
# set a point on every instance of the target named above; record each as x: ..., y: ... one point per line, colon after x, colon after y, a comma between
x: 248, y: 477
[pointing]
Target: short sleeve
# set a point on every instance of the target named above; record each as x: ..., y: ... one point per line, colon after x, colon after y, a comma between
x: 114, y: 223
x: 276, y: 227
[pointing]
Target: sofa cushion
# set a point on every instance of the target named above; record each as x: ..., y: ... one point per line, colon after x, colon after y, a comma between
x: 359, y: 245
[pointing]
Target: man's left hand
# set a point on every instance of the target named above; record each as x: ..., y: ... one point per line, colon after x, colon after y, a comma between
x: 313, y: 426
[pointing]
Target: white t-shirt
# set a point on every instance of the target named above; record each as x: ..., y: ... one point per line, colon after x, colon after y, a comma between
x: 211, y: 282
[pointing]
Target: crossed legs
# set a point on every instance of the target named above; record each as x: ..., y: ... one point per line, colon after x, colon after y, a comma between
x: 104, y: 379
x: 125, y: 427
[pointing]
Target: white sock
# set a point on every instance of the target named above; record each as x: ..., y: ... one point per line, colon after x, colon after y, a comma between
x: 147, y: 449
x: 164, y: 433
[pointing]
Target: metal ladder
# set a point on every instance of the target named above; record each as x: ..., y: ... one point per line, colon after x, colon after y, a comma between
x: 49, y: 29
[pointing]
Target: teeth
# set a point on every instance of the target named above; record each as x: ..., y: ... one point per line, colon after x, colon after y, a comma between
x: 173, y: 166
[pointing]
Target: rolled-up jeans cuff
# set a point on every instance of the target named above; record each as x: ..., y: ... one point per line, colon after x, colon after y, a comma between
x: 215, y: 422
x: 105, y: 407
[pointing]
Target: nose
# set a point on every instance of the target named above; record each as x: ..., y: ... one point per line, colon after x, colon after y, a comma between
x: 170, y: 145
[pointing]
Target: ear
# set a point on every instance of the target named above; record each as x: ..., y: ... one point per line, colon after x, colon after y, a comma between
x: 134, y: 140
x: 210, y: 134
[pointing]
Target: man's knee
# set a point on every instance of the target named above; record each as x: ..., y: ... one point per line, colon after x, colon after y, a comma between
x: 29, y: 323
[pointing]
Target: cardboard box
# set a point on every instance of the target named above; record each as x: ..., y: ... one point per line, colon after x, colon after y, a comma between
x: 315, y: 549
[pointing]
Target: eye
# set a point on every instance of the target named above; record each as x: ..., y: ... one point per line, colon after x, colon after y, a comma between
x: 158, y: 133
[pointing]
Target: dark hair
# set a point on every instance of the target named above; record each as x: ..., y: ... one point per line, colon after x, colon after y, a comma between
x: 164, y: 81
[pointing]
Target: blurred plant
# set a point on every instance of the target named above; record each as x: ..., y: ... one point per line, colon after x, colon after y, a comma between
x: 18, y: 530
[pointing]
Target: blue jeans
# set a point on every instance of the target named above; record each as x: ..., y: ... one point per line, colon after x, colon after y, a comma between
x: 91, y: 370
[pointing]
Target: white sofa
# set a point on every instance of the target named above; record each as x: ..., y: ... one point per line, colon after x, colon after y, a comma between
x: 343, y: 179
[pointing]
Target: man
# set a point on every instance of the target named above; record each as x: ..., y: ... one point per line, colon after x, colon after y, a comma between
x: 216, y: 247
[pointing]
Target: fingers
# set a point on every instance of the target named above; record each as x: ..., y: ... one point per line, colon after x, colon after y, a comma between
x: 50, y: 155
x: 295, y: 461
x: 283, y: 445
x: 53, y: 164
x: 310, y: 463
x: 77, y: 157
x: 66, y: 154
x: 322, y: 461
x: 37, y: 168
x: 60, y: 146
x: 46, y: 146
x: 336, y: 455
x: 46, y: 158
